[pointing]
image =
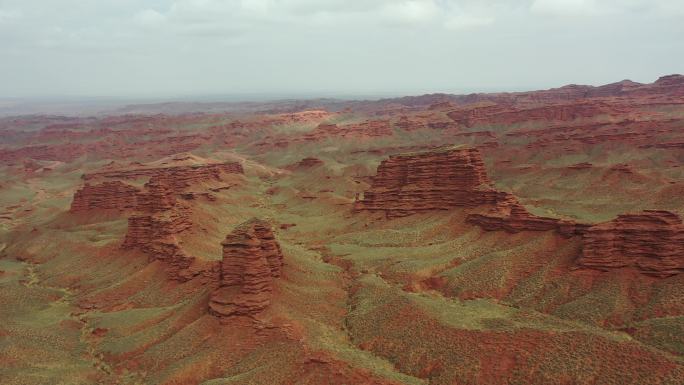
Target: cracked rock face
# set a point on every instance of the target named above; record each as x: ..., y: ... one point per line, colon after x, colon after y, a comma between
x: 252, y: 259
x: 651, y: 242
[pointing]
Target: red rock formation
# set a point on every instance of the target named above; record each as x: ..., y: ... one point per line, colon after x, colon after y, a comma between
x: 581, y: 166
x: 433, y: 180
x: 498, y: 114
x: 158, y: 196
x: 113, y: 195
x: 155, y: 227
x: 62, y: 152
x: 677, y: 145
x: 475, y: 115
x: 251, y: 260
x: 405, y: 123
x: 622, y: 168
x: 509, y: 215
x: 651, y: 241
x: 309, y: 162
x: 368, y: 129
x: 177, y: 177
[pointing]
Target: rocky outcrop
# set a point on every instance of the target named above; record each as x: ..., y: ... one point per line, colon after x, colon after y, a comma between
x: 160, y: 218
x: 62, y: 152
x: 112, y: 195
x: 651, y: 242
x: 434, y: 180
x: 408, y: 124
x: 368, y: 129
x: 309, y: 162
x: 176, y: 177
x: 158, y: 196
x: 498, y: 114
x: 252, y: 259
x: 155, y: 233
x: 581, y: 166
x: 447, y: 178
x: 509, y: 215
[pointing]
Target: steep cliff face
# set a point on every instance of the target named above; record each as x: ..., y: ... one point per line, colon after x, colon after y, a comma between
x: 434, y: 180
x: 155, y: 226
x: 113, y: 195
x: 158, y: 196
x: 252, y: 259
x: 651, y: 241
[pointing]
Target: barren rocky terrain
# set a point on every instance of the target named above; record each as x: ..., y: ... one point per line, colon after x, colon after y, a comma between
x: 509, y: 238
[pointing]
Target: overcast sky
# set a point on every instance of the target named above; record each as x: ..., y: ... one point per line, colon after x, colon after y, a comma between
x: 169, y: 48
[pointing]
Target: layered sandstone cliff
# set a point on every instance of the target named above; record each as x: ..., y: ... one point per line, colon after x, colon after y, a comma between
x: 252, y: 259
x: 367, y: 129
x: 112, y: 195
x: 651, y: 241
x: 501, y: 114
x: 433, y: 180
x: 509, y: 215
x: 160, y: 218
x: 176, y: 177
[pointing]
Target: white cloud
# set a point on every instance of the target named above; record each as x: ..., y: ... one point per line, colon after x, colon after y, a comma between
x: 660, y: 8
x: 410, y: 12
x: 7, y: 15
x: 565, y: 7
x: 179, y: 45
x: 464, y: 21
x: 149, y: 18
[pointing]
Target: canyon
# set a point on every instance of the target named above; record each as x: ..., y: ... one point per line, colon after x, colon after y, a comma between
x: 525, y: 237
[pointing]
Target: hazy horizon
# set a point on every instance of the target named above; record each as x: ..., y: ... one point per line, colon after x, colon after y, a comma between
x: 161, y: 49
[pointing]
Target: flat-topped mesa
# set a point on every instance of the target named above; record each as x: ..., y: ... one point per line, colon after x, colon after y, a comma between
x: 498, y: 114
x: 112, y: 195
x: 183, y: 177
x: 176, y: 177
x: 651, y: 242
x: 252, y: 259
x: 434, y: 180
x: 367, y: 129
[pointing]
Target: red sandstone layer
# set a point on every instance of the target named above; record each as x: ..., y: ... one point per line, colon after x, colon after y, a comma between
x: 509, y: 215
x: 177, y: 177
x: 252, y: 258
x: 651, y: 241
x: 434, y: 180
x: 108, y: 195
